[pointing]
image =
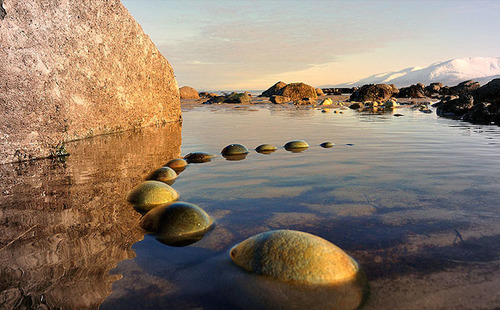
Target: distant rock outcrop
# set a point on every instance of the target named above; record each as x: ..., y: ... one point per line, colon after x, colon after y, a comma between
x: 273, y: 90
x: 455, y: 107
x: 319, y: 92
x: 466, y: 87
x: 413, y: 91
x: 489, y: 92
x: 298, y: 91
x: 293, y: 91
x: 373, y: 92
x: 72, y: 69
x: 186, y: 92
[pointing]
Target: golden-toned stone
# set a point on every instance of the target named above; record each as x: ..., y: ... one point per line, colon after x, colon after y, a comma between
x: 295, y: 256
x: 150, y: 194
x: 164, y: 174
x: 180, y: 223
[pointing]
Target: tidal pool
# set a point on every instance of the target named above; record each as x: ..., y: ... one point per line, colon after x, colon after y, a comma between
x: 413, y: 199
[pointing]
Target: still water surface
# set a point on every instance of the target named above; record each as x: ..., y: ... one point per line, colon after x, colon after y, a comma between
x: 414, y: 199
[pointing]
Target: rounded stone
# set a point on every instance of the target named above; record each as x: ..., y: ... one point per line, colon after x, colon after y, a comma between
x: 163, y: 174
x: 266, y: 149
x: 150, y: 194
x: 327, y: 145
x: 234, y: 149
x: 178, y: 224
x: 297, y: 257
x: 296, y: 145
x: 178, y: 164
x: 198, y: 157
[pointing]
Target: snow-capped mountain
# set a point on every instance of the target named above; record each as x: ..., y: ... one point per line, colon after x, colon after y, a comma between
x: 450, y: 72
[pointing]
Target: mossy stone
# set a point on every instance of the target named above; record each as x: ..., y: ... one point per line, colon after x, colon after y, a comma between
x: 327, y: 144
x: 178, y: 164
x: 297, y: 257
x: 234, y: 149
x: 163, y: 174
x: 150, y: 194
x: 180, y: 223
x: 298, y: 145
x: 266, y: 149
x: 198, y: 157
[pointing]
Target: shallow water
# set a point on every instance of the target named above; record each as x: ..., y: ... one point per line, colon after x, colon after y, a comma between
x: 413, y: 199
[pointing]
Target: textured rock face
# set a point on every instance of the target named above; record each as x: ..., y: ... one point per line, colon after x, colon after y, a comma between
x: 73, y: 69
x: 274, y: 90
x: 378, y: 92
x: 413, y: 91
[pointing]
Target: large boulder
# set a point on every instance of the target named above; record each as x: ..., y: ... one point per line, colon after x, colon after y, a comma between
x: 489, y: 92
x: 413, y: 91
x: 293, y: 91
x: 433, y: 89
x: 482, y: 113
x: 373, y: 92
x: 298, y: 91
x: 456, y: 107
x: 466, y: 87
x: 186, y: 92
x: 273, y: 90
x: 71, y: 70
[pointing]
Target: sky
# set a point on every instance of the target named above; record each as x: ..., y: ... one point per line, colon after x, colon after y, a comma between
x: 252, y: 44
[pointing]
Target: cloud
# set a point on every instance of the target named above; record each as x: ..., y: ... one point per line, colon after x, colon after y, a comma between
x: 231, y: 50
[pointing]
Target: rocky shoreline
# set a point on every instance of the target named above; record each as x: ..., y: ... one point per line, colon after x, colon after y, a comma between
x: 467, y: 101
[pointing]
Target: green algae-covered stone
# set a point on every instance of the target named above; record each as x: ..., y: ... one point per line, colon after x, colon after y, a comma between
x: 198, y: 157
x: 180, y: 223
x: 298, y: 257
x: 298, y: 145
x: 266, y: 149
x: 150, y: 194
x: 234, y: 149
x: 327, y: 145
x: 178, y: 164
x: 163, y: 174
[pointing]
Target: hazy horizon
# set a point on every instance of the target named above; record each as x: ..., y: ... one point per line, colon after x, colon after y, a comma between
x: 217, y: 45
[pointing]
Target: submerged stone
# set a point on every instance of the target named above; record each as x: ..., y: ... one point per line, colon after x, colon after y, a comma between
x: 296, y: 271
x: 327, y: 144
x: 150, y: 194
x: 296, y: 146
x: 298, y: 257
x: 266, y: 149
x: 163, y: 174
x: 234, y: 149
x: 177, y: 224
x: 178, y: 164
x: 198, y: 157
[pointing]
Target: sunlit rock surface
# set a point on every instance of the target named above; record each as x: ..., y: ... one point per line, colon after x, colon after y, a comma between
x: 64, y: 225
x: 73, y: 69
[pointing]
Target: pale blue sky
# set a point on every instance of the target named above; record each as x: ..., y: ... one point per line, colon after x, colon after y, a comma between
x: 236, y: 44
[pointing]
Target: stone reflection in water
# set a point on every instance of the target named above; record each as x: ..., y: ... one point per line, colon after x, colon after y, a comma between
x: 235, y: 157
x: 63, y: 226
